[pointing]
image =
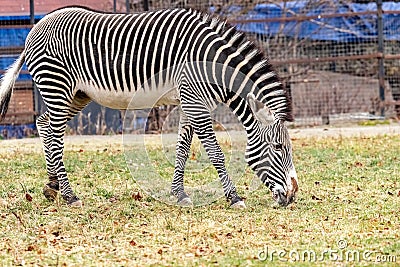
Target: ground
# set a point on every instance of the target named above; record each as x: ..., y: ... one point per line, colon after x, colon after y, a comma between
x: 347, y: 211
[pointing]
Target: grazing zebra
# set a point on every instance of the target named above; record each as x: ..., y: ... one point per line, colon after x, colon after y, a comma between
x: 175, y: 56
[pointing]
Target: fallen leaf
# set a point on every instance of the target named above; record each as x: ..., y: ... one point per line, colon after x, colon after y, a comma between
x: 358, y: 164
x: 56, y: 233
x: 28, y: 197
x: 113, y: 199
x: 137, y: 196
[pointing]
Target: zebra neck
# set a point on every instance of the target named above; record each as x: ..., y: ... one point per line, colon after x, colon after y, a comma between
x: 243, y: 112
x: 267, y: 89
x: 276, y: 99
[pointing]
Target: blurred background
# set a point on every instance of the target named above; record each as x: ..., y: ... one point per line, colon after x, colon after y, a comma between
x: 338, y: 59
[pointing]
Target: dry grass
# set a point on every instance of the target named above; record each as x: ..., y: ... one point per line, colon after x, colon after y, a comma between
x: 349, y: 191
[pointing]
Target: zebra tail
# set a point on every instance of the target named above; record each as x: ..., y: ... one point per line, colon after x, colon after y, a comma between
x: 7, y: 84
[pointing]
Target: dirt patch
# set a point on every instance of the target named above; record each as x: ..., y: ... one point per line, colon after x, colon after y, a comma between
x: 95, y: 142
x: 323, y: 132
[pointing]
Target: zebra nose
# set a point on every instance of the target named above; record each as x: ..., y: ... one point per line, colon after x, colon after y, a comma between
x: 280, y: 196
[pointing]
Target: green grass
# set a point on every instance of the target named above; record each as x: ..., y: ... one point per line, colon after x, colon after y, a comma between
x: 374, y: 122
x: 349, y: 190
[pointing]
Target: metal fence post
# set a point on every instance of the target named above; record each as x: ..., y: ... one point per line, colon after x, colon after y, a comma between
x: 146, y: 5
x: 381, y: 60
x: 36, y: 100
x: 32, y: 11
x: 127, y: 4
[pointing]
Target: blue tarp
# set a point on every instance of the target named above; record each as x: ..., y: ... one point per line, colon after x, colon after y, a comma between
x: 17, y: 36
x: 17, y: 131
x: 343, y: 29
x: 12, y: 38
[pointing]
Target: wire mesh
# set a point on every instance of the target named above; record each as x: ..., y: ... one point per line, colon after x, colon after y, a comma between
x: 325, y: 51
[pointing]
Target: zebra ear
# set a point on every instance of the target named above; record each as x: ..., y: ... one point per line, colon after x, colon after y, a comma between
x: 259, y: 110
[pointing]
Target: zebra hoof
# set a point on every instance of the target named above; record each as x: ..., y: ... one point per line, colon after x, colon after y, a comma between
x: 50, y: 193
x: 185, y: 202
x: 76, y: 204
x: 238, y: 205
x: 237, y: 202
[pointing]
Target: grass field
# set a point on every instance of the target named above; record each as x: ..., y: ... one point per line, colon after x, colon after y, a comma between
x: 347, y: 211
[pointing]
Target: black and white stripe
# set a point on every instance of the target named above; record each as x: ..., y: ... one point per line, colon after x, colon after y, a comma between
x: 170, y: 56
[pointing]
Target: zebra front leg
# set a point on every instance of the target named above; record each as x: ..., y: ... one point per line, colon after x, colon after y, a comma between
x: 217, y: 158
x: 51, y: 189
x: 184, y: 141
x: 201, y: 121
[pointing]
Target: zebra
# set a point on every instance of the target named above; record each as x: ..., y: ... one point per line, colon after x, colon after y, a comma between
x: 173, y: 56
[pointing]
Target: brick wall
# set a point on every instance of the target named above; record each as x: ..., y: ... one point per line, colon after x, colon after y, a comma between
x: 21, y: 7
x: 21, y: 108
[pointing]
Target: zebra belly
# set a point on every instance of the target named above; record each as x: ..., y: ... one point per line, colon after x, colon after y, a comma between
x: 140, y: 99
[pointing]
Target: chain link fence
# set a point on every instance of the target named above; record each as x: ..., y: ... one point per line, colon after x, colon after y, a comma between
x: 339, y: 59
x: 328, y: 54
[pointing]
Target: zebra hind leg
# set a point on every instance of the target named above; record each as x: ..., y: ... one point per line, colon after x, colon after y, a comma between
x: 54, y: 139
x: 79, y: 102
x: 51, y: 189
x: 58, y: 124
x: 184, y: 141
x: 200, y: 119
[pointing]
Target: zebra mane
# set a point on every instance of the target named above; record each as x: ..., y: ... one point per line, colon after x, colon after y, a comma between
x: 253, y: 53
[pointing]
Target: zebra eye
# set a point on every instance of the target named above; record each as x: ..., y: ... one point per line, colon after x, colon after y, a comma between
x: 278, y: 146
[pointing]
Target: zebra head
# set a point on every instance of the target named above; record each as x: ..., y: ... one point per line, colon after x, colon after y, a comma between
x: 269, y: 153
